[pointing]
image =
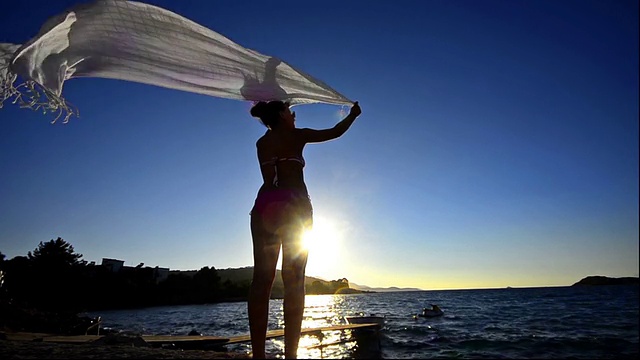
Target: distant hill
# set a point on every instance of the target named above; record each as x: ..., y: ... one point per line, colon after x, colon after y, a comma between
x: 380, y: 289
x: 604, y: 280
x: 240, y: 275
x: 243, y: 276
x: 313, y: 285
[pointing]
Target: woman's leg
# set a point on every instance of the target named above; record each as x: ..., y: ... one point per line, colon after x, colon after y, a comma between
x: 266, y: 249
x: 294, y: 262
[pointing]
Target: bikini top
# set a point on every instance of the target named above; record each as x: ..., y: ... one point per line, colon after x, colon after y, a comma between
x: 275, y: 160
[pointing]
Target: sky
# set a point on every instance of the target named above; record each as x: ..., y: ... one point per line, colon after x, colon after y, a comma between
x: 497, y: 146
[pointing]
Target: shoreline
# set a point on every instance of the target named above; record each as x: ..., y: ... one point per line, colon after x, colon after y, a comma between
x: 12, y: 348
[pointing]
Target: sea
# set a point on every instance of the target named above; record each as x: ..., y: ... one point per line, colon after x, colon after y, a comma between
x: 590, y: 322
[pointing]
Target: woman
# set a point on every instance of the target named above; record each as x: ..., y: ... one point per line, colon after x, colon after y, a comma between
x: 281, y: 213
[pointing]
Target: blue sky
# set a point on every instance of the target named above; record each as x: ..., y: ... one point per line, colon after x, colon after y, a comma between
x: 498, y: 146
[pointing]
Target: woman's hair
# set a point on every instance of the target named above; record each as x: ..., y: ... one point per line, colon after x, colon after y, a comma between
x: 268, y: 112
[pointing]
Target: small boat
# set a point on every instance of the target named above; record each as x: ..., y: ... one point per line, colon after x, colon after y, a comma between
x: 362, y: 319
x: 435, y: 311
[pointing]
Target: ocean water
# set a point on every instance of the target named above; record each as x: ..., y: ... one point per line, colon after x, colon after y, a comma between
x: 554, y: 322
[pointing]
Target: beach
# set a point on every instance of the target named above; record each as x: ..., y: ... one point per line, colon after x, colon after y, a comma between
x: 27, y: 333
x: 23, y: 349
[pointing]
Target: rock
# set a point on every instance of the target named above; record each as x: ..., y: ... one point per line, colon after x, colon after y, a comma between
x: 121, y: 339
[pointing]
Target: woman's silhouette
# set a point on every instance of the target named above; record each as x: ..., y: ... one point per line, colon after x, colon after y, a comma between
x: 281, y: 213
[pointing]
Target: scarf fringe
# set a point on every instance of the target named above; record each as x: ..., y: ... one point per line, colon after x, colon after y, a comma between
x: 34, y: 96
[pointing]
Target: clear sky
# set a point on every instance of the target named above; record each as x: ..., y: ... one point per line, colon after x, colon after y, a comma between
x: 498, y: 146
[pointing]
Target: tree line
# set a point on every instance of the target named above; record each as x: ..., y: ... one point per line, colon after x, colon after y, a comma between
x: 53, y: 277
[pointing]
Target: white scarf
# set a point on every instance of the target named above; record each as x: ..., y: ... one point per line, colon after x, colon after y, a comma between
x: 139, y: 42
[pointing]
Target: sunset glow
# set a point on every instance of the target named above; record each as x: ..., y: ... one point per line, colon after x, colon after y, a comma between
x: 324, y: 245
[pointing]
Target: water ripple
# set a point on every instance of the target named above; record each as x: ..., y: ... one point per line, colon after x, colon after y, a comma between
x: 565, y: 322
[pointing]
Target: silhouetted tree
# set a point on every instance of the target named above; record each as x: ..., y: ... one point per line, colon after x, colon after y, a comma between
x: 235, y: 290
x: 206, y: 285
x: 175, y: 289
x: 56, y: 253
x: 18, y: 274
x: 2, y: 256
x: 55, y: 278
x: 2, y: 274
x: 337, y: 285
x: 318, y: 287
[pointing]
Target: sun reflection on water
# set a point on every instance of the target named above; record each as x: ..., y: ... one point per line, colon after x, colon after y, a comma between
x: 320, y: 311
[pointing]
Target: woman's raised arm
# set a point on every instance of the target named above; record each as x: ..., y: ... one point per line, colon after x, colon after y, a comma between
x: 316, y: 136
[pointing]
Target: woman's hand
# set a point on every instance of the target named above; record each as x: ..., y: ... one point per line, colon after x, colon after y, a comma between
x: 355, y: 110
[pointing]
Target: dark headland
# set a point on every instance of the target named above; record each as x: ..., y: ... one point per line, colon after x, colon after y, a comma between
x: 604, y: 280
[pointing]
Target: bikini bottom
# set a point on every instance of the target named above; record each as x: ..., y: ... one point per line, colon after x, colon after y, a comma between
x: 281, y: 210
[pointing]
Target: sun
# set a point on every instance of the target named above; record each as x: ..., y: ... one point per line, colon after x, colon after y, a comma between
x: 324, y: 245
x: 321, y: 237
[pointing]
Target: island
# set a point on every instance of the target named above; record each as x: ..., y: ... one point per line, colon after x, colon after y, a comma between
x: 604, y: 280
